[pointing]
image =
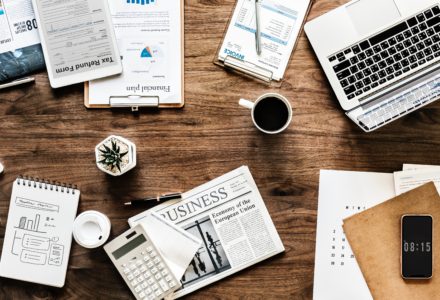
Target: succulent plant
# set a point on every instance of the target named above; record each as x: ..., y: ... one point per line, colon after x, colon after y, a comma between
x: 112, y: 157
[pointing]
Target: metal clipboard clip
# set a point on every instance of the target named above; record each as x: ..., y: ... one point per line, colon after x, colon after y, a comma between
x: 134, y: 102
x: 248, y: 68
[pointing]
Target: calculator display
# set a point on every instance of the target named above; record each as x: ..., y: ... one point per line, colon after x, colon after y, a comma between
x: 417, y: 246
x: 139, y: 240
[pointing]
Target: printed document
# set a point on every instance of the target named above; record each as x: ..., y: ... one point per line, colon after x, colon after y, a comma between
x: 280, y: 23
x: 229, y: 216
x: 76, y: 35
x: 18, y: 27
x: 20, y: 49
x: 410, y: 167
x: 150, y: 42
x: 341, y: 195
x: 407, y: 180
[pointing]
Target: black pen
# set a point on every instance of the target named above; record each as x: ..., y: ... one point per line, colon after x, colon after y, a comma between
x: 163, y: 198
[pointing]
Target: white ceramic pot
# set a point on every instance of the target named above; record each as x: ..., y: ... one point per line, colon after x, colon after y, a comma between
x: 118, y: 148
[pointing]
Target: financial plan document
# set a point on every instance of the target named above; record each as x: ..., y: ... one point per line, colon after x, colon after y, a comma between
x: 150, y: 42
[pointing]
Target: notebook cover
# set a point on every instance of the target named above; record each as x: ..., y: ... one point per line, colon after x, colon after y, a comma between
x: 375, y: 238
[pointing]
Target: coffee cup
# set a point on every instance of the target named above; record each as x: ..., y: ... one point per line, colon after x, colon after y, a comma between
x: 91, y: 229
x: 271, y: 113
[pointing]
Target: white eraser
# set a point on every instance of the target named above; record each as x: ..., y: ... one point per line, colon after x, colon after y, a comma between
x: 1, y: 168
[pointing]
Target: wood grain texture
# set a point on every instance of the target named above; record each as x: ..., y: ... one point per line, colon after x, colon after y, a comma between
x: 48, y: 133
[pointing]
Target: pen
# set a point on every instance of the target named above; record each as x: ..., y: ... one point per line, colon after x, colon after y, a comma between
x: 17, y: 82
x: 258, y: 29
x: 163, y: 198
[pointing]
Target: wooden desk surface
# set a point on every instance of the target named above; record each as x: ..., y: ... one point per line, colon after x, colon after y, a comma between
x: 49, y: 134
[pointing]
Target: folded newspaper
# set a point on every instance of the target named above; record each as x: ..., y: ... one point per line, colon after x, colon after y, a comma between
x: 229, y: 216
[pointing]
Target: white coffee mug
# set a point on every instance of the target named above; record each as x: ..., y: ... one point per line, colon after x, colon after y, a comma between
x: 91, y: 229
x: 287, y: 119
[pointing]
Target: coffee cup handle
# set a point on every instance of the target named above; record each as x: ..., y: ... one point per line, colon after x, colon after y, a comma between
x: 246, y: 103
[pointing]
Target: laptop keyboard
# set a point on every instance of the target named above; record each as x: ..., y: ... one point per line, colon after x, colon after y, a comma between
x: 401, y: 104
x: 389, y: 54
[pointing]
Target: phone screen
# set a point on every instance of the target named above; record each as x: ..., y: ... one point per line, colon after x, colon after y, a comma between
x: 417, y: 247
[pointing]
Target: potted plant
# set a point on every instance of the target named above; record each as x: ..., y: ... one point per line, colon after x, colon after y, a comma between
x: 115, y: 155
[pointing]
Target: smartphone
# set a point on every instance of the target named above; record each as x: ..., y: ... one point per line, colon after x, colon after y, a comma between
x: 417, y: 247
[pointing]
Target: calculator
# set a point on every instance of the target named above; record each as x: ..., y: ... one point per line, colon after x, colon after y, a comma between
x: 141, y: 265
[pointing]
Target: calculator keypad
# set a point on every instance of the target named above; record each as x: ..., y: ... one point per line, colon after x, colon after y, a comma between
x: 148, y: 276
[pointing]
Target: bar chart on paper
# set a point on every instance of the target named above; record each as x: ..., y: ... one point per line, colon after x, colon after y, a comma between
x: 30, y: 224
x: 141, y: 2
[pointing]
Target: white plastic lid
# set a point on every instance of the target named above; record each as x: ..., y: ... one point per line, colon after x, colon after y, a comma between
x: 91, y: 229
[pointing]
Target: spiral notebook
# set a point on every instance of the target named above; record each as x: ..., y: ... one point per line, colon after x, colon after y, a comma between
x: 38, y: 233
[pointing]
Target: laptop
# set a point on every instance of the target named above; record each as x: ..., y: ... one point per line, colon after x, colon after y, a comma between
x: 380, y: 56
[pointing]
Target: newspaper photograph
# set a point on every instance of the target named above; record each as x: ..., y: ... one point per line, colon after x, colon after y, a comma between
x: 229, y: 215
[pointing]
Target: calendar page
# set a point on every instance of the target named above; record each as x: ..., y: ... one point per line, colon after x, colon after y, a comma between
x: 343, y: 194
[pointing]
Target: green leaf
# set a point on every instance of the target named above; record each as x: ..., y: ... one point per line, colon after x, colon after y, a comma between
x: 107, y: 148
x: 123, y: 154
x: 113, y: 145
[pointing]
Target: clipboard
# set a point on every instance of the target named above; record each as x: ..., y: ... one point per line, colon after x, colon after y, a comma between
x: 237, y: 64
x: 134, y: 101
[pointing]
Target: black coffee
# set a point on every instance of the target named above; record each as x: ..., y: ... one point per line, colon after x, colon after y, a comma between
x: 271, y: 114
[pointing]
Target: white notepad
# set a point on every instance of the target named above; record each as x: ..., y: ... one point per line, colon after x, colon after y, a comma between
x: 343, y: 194
x: 38, y: 234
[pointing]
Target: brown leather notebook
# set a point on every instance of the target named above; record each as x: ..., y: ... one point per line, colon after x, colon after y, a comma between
x: 375, y: 238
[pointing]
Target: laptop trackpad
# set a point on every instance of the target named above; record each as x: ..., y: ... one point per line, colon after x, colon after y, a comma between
x: 370, y: 15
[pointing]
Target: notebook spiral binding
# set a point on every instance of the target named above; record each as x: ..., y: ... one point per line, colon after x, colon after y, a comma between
x: 46, y: 184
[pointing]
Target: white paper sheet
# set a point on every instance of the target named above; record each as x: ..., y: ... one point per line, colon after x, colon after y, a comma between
x: 281, y: 23
x: 342, y: 194
x: 175, y: 244
x: 405, y: 181
x: 149, y: 39
x: 410, y: 167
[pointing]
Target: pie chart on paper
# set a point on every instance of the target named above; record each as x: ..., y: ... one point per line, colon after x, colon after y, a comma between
x: 152, y: 52
x: 147, y: 53
x: 149, y: 57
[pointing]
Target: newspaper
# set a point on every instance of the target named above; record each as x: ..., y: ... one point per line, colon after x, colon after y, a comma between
x: 229, y: 216
x: 20, y: 49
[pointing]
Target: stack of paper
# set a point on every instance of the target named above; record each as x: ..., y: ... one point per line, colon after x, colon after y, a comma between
x: 342, y: 194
